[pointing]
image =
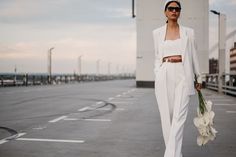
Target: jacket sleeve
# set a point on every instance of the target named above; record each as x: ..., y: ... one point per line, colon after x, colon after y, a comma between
x: 196, y: 67
x: 157, y: 62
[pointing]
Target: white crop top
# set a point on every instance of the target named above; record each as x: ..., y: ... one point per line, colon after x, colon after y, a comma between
x: 172, y: 47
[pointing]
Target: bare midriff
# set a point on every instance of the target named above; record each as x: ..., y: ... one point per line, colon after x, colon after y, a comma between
x: 174, y: 58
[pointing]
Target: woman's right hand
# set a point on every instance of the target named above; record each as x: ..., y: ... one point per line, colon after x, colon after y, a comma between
x: 198, y: 86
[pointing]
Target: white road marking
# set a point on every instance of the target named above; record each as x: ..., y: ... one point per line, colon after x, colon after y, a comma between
x: 89, y: 119
x: 222, y: 100
x: 84, y: 109
x: 3, y: 141
x: 50, y: 140
x: 21, y: 134
x: 8, y: 138
x: 40, y: 128
x: 107, y: 109
x: 57, y: 119
x: 98, y: 120
x: 25, y: 91
x: 120, y: 109
x: 70, y: 119
x: 121, y: 102
x: 102, y: 109
x: 231, y: 111
x: 127, y: 99
x: 100, y: 102
x: 124, y: 93
x: 118, y: 96
x: 110, y: 98
x: 224, y: 104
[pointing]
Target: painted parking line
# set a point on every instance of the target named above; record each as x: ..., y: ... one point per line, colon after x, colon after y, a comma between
x: 99, y: 102
x: 11, y: 137
x: 98, y: 120
x: 25, y: 91
x: 224, y: 104
x: 57, y: 119
x: 222, y: 100
x: 120, y: 102
x: 40, y: 128
x: 231, y: 111
x: 127, y: 99
x: 50, y: 140
x: 84, y: 109
x: 110, y: 98
x: 88, y: 119
x: 108, y: 109
x: 72, y: 119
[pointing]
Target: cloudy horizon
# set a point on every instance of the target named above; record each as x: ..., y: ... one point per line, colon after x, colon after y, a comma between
x: 97, y: 30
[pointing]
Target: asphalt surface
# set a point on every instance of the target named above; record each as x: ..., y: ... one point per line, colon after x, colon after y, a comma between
x: 101, y: 119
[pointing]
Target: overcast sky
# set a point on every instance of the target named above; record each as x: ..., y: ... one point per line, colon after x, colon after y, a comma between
x: 96, y: 29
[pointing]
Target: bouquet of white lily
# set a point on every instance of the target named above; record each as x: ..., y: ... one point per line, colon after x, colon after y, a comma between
x: 204, y: 121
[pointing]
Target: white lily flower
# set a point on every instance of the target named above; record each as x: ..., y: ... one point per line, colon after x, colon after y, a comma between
x: 209, y: 105
x: 201, y: 140
x: 213, y: 130
x: 204, y: 131
x: 204, y: 121
x: 208, y: 118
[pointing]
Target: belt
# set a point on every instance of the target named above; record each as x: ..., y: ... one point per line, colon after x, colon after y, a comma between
x: 172, y: 60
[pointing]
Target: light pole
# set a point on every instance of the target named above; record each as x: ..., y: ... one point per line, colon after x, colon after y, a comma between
x: 50, y: 64
x: 109, y: 68
x: 117, y: 69
x: 133, y: 9
x: 80, y: 65
x: 98, y: 66
x: 221, y: 38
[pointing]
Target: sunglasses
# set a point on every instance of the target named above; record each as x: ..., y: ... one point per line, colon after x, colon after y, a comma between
x: 171, y: 9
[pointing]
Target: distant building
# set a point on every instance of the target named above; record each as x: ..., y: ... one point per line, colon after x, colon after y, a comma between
x: 213, y: 66
x: 233, y: 59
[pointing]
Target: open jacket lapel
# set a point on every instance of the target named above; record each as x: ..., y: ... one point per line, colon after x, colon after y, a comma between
x: 161, y: 39
x: 184, y: 39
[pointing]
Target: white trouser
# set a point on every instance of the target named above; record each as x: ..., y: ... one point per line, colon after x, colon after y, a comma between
x: 173, y: 100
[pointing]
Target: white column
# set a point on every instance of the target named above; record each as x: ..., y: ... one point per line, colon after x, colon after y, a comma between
x: 222, y: 32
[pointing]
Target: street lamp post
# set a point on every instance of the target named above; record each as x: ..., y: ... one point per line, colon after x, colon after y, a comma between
x: 221, y: 38
x: 117, y: 69
x: 109, y: 68
x: 80, y: 65
x: 50, y: 64
x: 98, y: 66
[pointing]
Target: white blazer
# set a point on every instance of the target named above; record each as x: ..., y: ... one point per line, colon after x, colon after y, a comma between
x: 189, y: 54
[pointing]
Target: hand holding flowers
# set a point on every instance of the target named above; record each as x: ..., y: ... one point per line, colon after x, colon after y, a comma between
x: 204, y: 121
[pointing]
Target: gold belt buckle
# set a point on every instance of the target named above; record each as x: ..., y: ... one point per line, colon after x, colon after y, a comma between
x: 167, y: 60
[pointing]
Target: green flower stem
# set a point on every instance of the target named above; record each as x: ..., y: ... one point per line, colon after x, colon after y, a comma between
x: 202, y: 103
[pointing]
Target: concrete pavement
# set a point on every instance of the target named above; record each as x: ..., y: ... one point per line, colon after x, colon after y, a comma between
x: 102, y: 119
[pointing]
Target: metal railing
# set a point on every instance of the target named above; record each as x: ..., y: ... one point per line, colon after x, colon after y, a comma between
x: 228, y: 83
x: 44, y: 79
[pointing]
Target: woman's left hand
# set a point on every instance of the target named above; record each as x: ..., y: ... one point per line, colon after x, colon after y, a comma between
x: 198, y: 86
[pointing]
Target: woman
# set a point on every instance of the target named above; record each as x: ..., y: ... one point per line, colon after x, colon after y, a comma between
x: 176, y: 62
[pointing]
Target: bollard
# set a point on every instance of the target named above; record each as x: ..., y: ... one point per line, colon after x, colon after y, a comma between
x: 65, y: 79
x: 33, y: 77
x: 41, y: 79
x: 2, y: 83
x: 27, y: 79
